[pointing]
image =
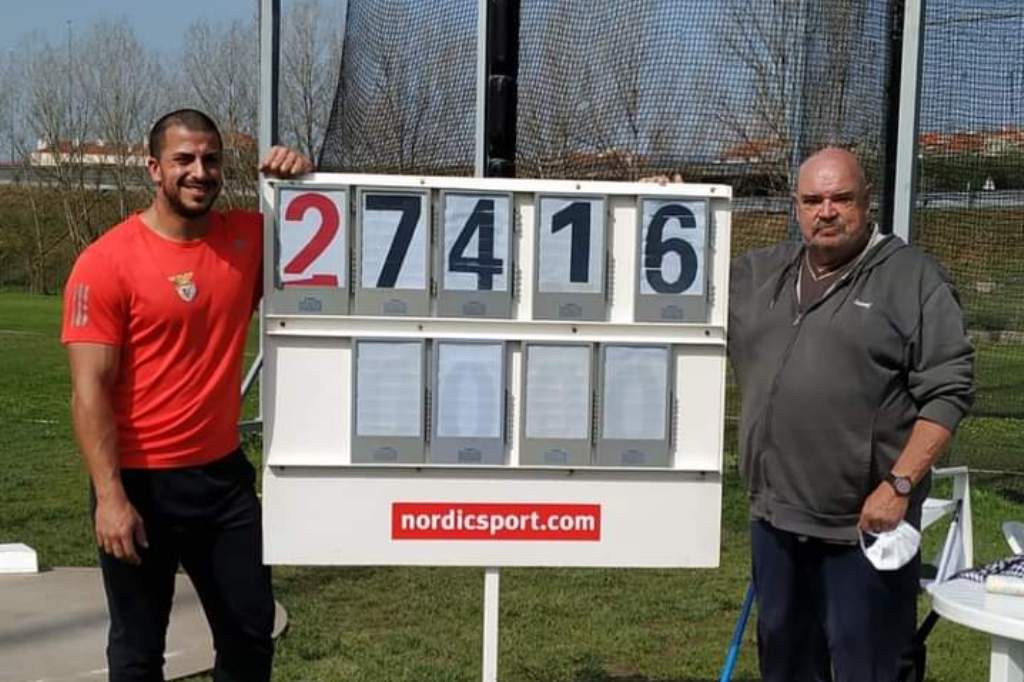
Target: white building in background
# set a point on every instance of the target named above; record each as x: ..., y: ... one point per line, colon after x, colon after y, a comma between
x: 102, y: 153
x: 89, y: 153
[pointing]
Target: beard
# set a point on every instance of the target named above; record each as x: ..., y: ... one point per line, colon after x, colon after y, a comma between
x: 192, y: 211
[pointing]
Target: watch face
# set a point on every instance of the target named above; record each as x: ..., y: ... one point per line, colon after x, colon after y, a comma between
x: 902, y: 484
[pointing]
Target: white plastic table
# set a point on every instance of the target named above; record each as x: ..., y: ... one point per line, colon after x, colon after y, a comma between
x: 1002, y: 616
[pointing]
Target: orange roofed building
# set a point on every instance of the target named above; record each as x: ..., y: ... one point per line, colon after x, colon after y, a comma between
x: 89, y: 153
x: 102, y: 153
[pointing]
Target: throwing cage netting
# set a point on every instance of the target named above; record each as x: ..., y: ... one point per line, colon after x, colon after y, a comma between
x: 736, y: 92
x: 970, y: 209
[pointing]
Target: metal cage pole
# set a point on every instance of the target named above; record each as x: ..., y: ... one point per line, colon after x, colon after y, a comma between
x: 480, y: 122
x: 891, y: 121
x: 904, y: 186
x: 270, y: 25
x: 796, y: 83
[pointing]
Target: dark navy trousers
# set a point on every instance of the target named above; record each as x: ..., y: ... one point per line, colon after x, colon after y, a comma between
x: 207, y: 519
x: 824, y: 612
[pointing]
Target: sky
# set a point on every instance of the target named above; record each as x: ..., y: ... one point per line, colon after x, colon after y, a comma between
x: 160, y: 24
x: 966, y: 88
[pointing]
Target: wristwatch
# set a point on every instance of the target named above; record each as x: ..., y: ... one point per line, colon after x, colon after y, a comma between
x: 901, y: 484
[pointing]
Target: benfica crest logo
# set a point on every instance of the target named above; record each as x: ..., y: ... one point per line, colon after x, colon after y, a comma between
x: 184, y: 285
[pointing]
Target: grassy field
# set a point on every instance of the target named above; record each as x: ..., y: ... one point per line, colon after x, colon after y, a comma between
x: 423, y: 624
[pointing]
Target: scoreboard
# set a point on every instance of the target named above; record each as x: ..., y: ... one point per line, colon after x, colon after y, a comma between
x: 493, y: 372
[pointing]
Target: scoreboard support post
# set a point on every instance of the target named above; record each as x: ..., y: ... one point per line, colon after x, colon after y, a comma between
x: 497, y: 75
x: 270, y: 44
x: 492, y: 588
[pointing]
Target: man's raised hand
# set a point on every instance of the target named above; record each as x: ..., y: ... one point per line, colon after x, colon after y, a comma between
x: 284, y: 162
x: 663, y: 179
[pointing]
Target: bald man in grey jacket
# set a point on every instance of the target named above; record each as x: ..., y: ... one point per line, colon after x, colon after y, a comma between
x: 855, y: 368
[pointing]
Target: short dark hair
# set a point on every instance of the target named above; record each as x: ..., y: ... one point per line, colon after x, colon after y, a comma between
x: 191, y: 119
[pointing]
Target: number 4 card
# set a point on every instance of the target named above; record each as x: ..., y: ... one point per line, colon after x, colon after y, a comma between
x: 475, y: 255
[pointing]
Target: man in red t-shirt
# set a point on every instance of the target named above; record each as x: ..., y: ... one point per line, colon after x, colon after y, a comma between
x: 155, y: 319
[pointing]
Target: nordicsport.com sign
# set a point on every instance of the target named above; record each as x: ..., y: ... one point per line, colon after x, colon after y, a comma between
x: 481, y: 521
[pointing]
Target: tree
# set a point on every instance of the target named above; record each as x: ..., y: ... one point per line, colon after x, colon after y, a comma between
x: 796, y: 73
x: 402, y: 110
x: 605, y: 92
x: 126, y: 88
x: 9, y: 100
x: 311, y: 40
x: 222, y: 78
x: 58, y: 116
x: 556, y: 92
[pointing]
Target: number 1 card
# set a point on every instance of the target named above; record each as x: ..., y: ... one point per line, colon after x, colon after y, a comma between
x: 570, y: 240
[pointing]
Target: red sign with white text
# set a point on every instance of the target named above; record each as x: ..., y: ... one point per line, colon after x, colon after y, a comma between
x: 494, y: 521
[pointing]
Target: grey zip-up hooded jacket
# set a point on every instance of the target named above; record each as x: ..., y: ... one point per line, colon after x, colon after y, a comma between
x: 830, y: 396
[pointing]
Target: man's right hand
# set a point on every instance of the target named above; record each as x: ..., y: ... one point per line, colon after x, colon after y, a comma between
x: 94, y: 371
x: 119, y: 528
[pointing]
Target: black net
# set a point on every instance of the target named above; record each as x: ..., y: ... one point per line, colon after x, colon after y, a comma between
x: 619, y: 89
x: 971, y: 206
x: 737, y: 92
x: 726, y: 91
x: 717, y: 91
x: 407, y: 90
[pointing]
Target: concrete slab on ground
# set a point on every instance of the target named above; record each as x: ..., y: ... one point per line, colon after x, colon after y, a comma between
x: 17, y: 557
x: 53, y: 628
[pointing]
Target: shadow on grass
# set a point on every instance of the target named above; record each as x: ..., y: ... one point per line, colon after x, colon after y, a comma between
x: 601, y: 676
x: 1012, y: 494
x: 1009, y: 485
x: 591, y: 671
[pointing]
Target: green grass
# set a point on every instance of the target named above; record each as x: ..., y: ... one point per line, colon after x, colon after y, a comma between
x: 424, y: 624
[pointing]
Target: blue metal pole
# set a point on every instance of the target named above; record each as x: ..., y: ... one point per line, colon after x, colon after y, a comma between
x: 737, y: 635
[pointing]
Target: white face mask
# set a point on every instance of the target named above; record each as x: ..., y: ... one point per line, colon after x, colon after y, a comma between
x: 892, y: 549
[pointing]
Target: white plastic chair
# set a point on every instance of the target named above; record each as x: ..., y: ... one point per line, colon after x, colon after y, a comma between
x: 1013, y: 531
x: 957, y: 552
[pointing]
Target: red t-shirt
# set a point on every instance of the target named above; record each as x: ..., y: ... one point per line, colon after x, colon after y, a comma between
x: 179, y: 312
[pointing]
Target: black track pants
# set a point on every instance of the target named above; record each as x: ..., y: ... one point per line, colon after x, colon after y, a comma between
x: 823, y: 609
x: 207, y: 519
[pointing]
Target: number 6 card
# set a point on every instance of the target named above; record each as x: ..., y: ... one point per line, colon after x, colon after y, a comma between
x: 475, y: 255
x: 310, y: 273
x: 672, y: 247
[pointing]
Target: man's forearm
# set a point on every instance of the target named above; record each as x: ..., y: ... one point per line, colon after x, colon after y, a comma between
x: 928, y: 440
x: 96, y: 430
x: 884, y: 508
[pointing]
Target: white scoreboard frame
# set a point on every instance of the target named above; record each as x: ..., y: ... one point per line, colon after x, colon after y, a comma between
x: 320, y: 508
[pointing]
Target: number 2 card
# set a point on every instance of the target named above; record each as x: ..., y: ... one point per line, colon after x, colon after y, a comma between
x: 310, y: 254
